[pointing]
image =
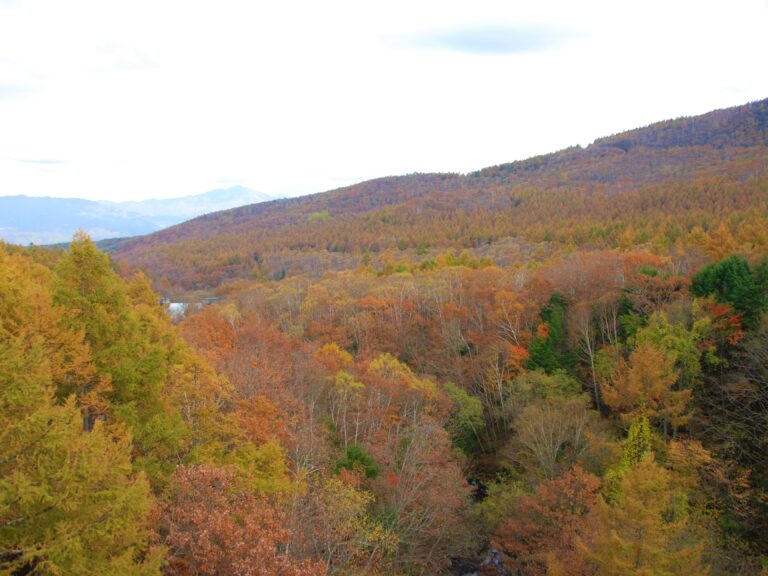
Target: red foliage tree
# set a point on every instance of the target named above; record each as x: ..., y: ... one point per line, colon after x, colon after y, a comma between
x: 212, y: 526
x: 541, y: 533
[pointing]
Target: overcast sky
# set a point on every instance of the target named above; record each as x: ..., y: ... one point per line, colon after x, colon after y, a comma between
x: 134, y: 99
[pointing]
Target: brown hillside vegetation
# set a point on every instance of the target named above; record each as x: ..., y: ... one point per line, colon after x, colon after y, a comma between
x: 691, y: 180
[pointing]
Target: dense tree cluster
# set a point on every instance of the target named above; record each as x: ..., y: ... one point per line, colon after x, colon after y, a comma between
x: 390, y: 383
x: 106, y: 415
x: 607, y: 405
x: 612, y: 402
x: 610, y: 405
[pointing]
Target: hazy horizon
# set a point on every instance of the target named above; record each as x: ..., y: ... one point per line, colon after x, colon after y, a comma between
x: 147, y: 199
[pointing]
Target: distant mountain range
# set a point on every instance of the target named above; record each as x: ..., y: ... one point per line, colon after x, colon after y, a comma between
x: 45, y: 220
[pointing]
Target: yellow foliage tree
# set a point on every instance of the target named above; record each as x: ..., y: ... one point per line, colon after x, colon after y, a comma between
x: 646, y: 385
x: 647, y: 531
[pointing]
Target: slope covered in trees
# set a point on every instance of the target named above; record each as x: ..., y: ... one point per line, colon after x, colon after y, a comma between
x: 105, y: 412
x: 701, y: 179
x: 609, y: 403
x: 587, y: 398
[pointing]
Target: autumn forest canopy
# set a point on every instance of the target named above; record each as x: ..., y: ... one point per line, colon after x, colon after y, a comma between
x: 557, y: 366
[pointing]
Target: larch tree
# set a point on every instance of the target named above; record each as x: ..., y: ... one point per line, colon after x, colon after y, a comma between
x: 70, y: 502
x: 646, y: 385
x: 647, y: 531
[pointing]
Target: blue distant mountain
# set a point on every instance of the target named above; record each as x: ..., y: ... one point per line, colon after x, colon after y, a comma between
x: 45, y: 220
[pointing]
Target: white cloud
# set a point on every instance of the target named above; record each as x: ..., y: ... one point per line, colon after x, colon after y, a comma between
x: 155, y: 99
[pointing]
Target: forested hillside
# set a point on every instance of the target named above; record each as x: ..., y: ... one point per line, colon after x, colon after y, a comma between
x: 685, y: 181
x: 552, y: 367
